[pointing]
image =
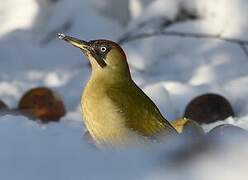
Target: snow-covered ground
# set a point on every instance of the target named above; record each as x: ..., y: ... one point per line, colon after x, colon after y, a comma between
x: 172, y: 70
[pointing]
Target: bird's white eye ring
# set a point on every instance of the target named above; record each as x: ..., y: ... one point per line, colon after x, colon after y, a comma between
x: 103, y: 49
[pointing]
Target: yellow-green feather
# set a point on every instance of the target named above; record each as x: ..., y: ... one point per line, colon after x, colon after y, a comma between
x: 140, y: 112
x: 116, y: 111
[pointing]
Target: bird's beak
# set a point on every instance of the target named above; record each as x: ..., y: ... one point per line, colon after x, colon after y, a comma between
x: 84, y: 46
x: 75, y: 42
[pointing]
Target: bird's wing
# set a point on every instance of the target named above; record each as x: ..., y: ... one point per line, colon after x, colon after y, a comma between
x: 140, y: 113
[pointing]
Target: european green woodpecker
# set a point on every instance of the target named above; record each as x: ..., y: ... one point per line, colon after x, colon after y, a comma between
x: 116, y: 111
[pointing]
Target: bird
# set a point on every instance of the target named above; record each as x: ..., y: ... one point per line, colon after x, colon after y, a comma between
x: 116, y: 112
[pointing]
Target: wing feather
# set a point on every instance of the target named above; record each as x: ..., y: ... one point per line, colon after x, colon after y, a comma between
x: 140, y: 112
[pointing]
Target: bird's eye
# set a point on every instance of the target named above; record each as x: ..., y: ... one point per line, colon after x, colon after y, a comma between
x: 103, y: 49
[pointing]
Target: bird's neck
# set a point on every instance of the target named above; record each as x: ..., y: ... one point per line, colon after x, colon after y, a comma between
x: 109, y: 77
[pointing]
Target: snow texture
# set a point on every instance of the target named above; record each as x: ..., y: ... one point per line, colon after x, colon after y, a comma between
x: 171, y: 70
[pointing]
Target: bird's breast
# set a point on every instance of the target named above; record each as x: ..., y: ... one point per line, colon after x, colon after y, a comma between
x: 104, y: 120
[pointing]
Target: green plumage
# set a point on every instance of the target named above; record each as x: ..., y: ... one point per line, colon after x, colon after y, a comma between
x: 140, y: 112
x: 116, y: 111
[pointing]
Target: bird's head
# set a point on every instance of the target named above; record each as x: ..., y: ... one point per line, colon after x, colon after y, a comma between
x: 106, y: 57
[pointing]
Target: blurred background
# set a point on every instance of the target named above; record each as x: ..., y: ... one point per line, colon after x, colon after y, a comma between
x: 171, y: 69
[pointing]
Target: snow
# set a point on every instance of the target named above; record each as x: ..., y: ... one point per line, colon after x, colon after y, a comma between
x: 171, y: 70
